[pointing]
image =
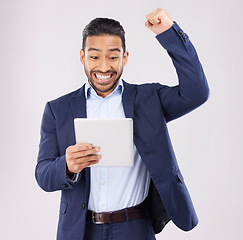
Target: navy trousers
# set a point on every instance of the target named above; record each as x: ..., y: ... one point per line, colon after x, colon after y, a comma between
x: 139, y: 229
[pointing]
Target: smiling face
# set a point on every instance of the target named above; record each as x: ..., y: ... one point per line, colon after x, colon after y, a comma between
x: 103, y: 59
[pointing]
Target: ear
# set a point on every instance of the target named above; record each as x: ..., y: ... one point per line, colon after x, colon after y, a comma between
x: 82, y: 56
x: 125, y: 58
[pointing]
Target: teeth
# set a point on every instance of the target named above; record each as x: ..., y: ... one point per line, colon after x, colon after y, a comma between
x: 103, y: 77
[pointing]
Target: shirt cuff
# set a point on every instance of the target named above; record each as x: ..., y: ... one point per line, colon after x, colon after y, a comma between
x: 74, y: 178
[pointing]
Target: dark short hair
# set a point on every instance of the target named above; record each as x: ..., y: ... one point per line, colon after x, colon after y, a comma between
x: 104, y: 26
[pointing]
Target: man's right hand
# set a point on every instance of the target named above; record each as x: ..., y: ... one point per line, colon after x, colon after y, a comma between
x: 80, y: 156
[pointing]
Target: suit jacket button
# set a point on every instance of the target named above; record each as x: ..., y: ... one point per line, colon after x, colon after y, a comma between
x: 64, y: 185
x: 83, y: 205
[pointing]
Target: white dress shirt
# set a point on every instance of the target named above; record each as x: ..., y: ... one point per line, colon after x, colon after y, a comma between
x: 114, y: 188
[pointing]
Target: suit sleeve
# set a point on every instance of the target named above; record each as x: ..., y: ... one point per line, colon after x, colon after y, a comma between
x: 50, y: 170
x: 192, y: 90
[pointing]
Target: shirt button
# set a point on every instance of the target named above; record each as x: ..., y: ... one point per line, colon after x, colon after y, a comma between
x: 103, y: 182
x: 83, y: 205
x: 64, y: 185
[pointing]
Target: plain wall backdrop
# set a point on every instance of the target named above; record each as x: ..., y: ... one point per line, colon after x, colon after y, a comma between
x: 39, y: 61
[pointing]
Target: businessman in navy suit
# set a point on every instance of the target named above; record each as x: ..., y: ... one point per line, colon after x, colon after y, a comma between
x: 125, y: 203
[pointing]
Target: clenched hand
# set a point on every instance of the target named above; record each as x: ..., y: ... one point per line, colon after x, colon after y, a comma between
x: 158, y: 21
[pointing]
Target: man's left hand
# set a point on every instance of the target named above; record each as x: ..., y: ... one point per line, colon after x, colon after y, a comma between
x: 158, y: 21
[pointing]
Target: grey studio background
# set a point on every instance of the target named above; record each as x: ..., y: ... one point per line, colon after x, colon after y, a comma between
x: 39, y: 61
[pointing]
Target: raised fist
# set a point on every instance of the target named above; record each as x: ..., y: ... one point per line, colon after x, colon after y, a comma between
x: 158, y: 21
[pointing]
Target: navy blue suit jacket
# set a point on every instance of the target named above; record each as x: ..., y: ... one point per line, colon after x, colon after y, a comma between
x: 150, y: 106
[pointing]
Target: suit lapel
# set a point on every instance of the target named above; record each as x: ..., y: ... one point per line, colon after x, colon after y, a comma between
x: 128, y: 98
x: 78, y: 101
x: 78, y: 104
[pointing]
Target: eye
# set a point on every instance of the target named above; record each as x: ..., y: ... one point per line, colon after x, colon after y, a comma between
x: 113, y: 58
x: 93, y: 57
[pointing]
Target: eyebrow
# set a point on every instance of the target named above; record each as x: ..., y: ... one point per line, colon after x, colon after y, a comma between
x: 94, y: 49
x: 114, y: 50
x: 110, y: 50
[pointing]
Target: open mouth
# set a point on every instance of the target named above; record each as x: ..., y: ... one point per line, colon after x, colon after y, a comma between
x: 103, y: 76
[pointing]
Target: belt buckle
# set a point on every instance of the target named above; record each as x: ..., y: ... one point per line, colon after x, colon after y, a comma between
x: 93, y: 219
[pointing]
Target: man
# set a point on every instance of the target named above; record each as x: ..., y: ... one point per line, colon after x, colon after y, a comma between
x: 125, y: 203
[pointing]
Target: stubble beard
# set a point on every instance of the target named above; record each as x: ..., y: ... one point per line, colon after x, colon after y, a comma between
x: 96, y: 88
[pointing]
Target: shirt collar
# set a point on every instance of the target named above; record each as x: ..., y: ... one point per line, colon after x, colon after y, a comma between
x: 88, y: 89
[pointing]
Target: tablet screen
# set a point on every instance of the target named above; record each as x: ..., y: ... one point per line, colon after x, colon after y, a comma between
x: 113, y: 136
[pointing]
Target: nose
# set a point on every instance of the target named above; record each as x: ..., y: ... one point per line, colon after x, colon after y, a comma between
x: 104, y: 65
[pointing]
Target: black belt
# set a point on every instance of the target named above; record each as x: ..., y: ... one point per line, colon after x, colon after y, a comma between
x: 123, y: 215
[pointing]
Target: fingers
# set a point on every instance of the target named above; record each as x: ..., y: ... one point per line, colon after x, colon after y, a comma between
x: 87, y: 164
x: 76, y: 166
x: 158, y: 21
x: 154, y: 17
x: 148, y: 24
x: 80, y: 156
x: 84, y: 153
x: 93, y: 157
x: 80, y: 147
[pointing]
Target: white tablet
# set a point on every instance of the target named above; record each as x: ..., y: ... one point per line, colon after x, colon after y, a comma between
x: 113, y: 136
